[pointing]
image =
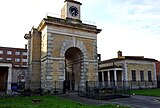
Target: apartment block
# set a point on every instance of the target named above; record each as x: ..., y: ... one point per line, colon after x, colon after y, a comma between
x: 13, y: 67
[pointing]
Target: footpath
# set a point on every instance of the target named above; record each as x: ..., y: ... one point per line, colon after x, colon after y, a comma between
x: 135, y: 101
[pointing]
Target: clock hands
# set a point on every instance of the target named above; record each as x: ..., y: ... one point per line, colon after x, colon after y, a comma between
x: 73, y: 11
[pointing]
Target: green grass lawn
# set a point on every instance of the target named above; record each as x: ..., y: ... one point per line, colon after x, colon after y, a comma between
x: 47, y: 102
x: 147, y: 92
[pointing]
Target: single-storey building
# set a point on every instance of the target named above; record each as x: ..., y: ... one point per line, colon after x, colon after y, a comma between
x: 133, y: 71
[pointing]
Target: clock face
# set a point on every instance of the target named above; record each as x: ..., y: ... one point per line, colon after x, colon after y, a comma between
x: 73, y: 11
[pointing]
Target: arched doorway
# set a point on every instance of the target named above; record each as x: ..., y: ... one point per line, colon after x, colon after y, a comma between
x: 73, y: 64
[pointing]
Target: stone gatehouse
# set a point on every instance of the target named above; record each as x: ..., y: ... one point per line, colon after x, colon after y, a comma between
x: 62, y: 49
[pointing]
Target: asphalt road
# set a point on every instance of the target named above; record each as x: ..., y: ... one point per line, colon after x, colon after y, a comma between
x: 133, y: 102
x: 138, y: 102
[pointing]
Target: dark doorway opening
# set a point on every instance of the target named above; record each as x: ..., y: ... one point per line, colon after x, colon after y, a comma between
x: 73, y: 66
x: 3, y: 78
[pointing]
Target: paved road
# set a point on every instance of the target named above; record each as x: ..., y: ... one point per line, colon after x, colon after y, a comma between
x: 133, y: 102
x: 138, y: 102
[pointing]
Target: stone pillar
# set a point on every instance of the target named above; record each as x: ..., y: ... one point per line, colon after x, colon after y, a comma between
x: 115, y: 77
x: 155, y: 77
x: 102, y: 78
x: 109, y: 81
x: 125, y: 74
x: 122, y: 77
x: 9, y: 80
x: 28, y: 74
x: 35, y: 59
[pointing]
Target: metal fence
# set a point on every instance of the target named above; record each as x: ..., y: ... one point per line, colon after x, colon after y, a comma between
x: 112, y: 89
x: 131, y: 84
x: 104, y: 90
x: 33, y: 88
x: 92, y: 89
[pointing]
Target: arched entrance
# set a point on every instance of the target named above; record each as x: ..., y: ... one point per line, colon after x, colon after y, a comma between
x: 73, y: 64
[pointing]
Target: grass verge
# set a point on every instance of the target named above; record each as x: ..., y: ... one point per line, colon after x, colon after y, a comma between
x: 147, y: 92
x: 46, y: 102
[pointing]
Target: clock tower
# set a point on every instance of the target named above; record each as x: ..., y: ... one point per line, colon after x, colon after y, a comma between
x: 71, y: 10
x: 62, y: 52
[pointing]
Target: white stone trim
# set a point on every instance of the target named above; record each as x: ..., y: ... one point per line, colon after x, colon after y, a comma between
x: 138, y: 62
x: 91, y: 61
x: 155, y: 76
x: 111, y: 69
x: 74, y: 34
x: 53, y: 58
x: 5, y: 65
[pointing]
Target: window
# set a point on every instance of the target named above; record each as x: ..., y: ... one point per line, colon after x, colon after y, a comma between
x: 9, y: 52
x: 133, y: 75
x: 100, y: 76
x: 17, y: 60
x: 1, y: 58
x: 16, y: 65
x: 24, y: 60
x: 17, y: 53
x: 1, y: 52
x: 24, y: 53
x: 142, y: 75
x: 149, y: 76
x: 9, y: 59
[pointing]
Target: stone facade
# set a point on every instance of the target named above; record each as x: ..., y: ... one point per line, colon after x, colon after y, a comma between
x: 58, y: 42
x: 144, y: 66
x: 121, y: 69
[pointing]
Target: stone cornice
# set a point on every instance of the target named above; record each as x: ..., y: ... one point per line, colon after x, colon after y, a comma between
x: 68, y: 23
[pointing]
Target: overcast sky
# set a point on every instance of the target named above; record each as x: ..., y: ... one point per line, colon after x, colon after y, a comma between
x: 132, y: 26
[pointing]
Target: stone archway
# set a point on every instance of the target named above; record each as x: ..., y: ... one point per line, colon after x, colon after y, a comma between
x: 79, y: 48
x: 73, y: 64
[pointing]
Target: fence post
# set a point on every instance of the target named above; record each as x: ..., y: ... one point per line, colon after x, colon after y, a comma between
x: 86, y: 86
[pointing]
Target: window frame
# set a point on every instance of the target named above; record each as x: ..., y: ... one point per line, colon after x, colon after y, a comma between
x: 24, y: 60
x: 149, y: 76
x: 24, y: 53
x: 1, y: 51
x: 17, y: 53
x: 17, y: 59
x: 9, y: 52
x: 133, y: 73
x: 1, y: 58
x: 141, y: 75
x: 9, y: 59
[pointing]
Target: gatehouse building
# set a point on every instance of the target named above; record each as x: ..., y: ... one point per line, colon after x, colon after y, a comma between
x: 62, y: 50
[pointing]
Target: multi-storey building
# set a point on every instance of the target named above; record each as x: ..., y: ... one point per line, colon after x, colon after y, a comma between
x: 158, y: 69
x: 13, y: 67
x: 158, y: 73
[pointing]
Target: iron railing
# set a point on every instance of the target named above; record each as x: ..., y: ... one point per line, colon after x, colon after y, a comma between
x: 91, y: 89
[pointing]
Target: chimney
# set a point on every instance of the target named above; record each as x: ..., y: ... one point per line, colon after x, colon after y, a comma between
x: 99, y: 57
x: 25, y: 46
x: 119, y: 54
